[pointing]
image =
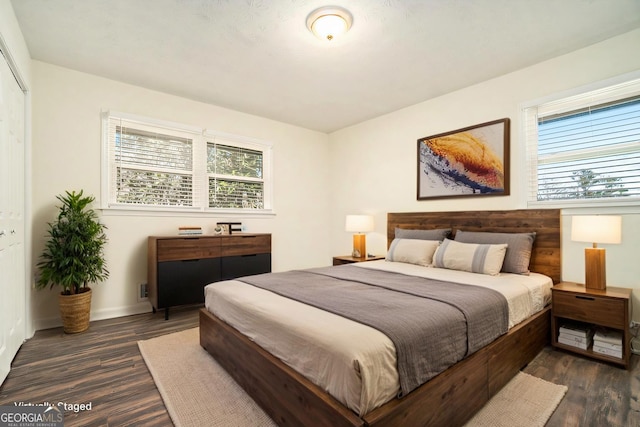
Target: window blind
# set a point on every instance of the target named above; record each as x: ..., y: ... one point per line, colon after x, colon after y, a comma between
x: 150, y: 167
x: 235, y: 176
x: 585, y: 147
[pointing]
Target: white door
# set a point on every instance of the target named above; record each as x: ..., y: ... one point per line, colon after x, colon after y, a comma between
x: 12, y: 222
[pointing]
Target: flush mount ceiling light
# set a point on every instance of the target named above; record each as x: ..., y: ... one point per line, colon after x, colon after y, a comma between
x: 329, y: 22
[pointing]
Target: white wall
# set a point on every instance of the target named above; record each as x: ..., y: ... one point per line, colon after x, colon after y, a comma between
x: 374, y: 162
x: 66, y: 142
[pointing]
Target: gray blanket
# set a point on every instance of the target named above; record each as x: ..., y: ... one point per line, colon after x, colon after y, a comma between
x: 433, y: 324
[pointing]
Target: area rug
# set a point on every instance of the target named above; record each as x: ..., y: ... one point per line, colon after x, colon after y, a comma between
x: 525, y: 401
x: 198, y: 392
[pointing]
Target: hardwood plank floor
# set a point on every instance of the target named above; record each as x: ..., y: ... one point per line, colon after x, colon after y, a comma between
x: 103, y: 366
x: 599, y: 394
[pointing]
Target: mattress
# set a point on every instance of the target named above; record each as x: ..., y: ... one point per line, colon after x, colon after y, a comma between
x: 354, y: 363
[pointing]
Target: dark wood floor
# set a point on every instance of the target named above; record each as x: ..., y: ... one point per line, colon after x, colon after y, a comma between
x: 599, y: 394
x: 104, y: 367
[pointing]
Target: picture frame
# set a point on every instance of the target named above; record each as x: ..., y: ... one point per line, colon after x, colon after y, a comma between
x: 468, y: 162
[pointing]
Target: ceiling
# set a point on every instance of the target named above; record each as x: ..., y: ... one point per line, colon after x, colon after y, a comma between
x: 258, y: 57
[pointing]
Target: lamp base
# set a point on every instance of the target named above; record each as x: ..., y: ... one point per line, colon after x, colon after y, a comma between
x: 359, y: 246
x: 595, y: 268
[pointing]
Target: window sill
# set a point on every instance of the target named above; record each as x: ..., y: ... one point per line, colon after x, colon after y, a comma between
x: 184, y: 213
x: 586, y: 204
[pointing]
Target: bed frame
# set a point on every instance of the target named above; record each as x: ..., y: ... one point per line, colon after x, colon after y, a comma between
x: 452, y: 397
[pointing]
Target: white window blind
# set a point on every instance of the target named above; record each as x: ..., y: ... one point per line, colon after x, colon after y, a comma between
x: 236, y: 178
x: 151, y: 165
x: 585, y: 148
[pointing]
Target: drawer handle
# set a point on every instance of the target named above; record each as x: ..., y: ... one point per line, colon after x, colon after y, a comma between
x: 244, y: 256
x: 584, y: 297
x: 248, y: 237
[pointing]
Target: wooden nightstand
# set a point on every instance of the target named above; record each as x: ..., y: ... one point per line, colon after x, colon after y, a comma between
x: 346, y: 259
x: 608, y: 308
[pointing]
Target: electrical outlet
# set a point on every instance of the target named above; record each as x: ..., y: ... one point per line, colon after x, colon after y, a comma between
x: 143, y: 293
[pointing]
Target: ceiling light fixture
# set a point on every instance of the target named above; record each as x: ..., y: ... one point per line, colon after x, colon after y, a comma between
x: 329, y: 21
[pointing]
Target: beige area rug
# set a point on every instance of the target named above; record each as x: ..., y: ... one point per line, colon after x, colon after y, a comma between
x: 526, y: 401
x: 198, y: 392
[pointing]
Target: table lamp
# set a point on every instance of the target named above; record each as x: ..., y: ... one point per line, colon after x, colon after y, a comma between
x: 596, y: 229
x: 359, y: 224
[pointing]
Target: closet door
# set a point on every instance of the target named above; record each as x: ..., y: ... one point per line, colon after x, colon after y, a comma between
x: 12, y: 222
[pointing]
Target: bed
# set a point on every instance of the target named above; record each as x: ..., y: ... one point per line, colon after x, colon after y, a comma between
x: 451, y: 397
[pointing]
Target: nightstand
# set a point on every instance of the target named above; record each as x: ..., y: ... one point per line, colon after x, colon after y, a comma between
x: 346, y: 259
x: 608, y: 308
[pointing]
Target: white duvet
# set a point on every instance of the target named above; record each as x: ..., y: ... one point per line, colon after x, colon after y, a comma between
x: 354, y: 363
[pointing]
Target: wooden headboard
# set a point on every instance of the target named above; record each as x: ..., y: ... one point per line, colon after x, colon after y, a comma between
x: 545, y: 257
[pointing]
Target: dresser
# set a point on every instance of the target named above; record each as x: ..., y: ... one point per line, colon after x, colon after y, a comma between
x: 179, y: 267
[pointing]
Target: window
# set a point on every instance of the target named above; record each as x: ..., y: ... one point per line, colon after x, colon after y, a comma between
x: 151, y: 165
x: 585, y: 148
x: 235, y: 176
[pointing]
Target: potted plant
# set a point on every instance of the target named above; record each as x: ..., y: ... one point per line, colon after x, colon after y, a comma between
x: 73, y: 258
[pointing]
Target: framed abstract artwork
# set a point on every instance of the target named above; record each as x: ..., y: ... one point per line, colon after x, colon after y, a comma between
x: 473, y: 161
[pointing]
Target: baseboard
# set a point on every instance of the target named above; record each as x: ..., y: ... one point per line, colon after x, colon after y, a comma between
x: 109, y: 313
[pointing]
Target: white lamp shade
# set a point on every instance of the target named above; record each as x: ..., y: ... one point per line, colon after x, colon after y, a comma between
x: 359, y: 223
x: 596, y: 228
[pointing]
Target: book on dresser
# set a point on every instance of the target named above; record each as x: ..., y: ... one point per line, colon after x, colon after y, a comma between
x: 189, y: 231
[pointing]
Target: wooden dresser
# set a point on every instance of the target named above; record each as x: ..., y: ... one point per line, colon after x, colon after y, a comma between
x: 179, y: 267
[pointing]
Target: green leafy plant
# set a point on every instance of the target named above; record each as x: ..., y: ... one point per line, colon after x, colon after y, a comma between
x: 73, y: 256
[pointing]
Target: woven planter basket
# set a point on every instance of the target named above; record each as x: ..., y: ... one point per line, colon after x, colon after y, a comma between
x: 75, y: 311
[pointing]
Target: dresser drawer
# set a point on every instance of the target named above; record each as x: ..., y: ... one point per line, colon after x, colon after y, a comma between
x: 183, y: 282
x: 590, y: 308
x: 244, y: 265
x: 188, y: 248
x: 246, y: 245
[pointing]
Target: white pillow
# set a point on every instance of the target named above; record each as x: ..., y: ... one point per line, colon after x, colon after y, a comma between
x: 412, y: 251
x: 476, y: 258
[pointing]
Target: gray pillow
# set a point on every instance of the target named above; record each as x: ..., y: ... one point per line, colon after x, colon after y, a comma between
x: 518, y: 250
x: 436, y: 234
